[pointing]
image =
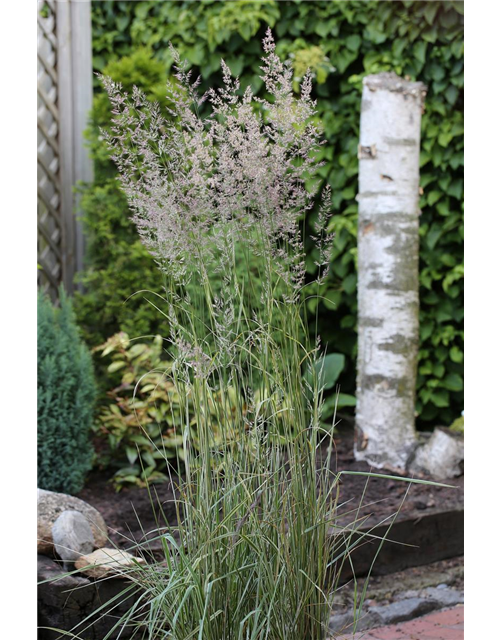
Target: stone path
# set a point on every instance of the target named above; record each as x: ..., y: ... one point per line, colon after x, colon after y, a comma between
x: 441, y: 625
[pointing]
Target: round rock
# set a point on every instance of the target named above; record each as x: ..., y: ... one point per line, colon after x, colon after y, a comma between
x: 72, y: 536
x: 50, y: 507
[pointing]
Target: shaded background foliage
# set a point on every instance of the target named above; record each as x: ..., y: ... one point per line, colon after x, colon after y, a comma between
x: 341, y: 42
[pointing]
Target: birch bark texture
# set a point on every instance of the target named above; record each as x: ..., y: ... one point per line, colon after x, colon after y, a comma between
x: 388, y: 301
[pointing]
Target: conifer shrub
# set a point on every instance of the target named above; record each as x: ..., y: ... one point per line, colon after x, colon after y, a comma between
x: 66, y: 398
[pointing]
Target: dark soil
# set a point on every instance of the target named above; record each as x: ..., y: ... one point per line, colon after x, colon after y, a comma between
x: 133, y: 514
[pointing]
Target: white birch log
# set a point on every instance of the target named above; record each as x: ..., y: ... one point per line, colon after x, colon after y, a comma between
x: 388, y: 303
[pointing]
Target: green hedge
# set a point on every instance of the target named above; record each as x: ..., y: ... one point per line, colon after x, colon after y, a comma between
x: 423, y: 40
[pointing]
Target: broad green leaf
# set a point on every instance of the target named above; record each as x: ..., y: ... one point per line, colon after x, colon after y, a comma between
x: 329, y: 368
x: 116, y: 365
x: 453, y: 382
x: 456, y: 354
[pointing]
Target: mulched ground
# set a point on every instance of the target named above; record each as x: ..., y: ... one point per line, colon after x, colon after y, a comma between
x: 132, y: 513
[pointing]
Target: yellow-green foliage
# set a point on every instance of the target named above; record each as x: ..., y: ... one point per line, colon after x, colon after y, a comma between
x: 142, y: 420
x: 310, y: 58
x: 458, y: 425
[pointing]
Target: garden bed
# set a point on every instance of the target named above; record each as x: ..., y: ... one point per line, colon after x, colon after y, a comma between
x: 431, y: 518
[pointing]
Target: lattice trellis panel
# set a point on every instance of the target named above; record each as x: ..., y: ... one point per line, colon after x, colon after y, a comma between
x: 64, y: 99
x: 50, y: 227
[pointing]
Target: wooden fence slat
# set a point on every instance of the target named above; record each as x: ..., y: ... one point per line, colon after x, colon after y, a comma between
x: 64, y: 100
x: 48, y: 103
x: 49, y: 240
x: 53, y: 212
x: 49, y: 139
x: 81, y: 28
x: 45, y: 269
x: 47, y: 68
x: 49, y: 172
x: 48, y: 34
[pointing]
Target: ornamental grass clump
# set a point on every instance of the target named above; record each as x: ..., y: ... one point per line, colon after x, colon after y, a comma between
x: 256, y: 550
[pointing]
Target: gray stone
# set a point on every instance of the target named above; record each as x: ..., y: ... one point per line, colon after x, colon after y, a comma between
x: 404, y: 610
x: 444, y: 597
x: 343, y: 622
x: 404, y: 595
x: 72, y: 536
x: 442, y: 456
x: 50, y: 507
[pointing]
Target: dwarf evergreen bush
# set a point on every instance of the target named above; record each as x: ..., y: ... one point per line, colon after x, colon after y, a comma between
x: 66, y: 397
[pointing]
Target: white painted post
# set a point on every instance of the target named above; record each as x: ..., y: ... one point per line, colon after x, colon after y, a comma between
x: 388, y: 302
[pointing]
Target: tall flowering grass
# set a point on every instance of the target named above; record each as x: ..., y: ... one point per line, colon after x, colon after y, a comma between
x: 256, y: 551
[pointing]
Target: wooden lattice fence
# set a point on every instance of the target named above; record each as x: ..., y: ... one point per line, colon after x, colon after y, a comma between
x: 64, y: 100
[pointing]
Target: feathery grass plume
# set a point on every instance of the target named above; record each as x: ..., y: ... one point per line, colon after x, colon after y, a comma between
x: 256, y: 550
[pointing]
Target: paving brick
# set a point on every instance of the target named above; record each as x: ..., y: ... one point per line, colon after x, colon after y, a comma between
x: 441, y: 625
x: 422, y: 624
x: 360, y: 635
x: 390, y: 633
x: 440, y: 634
x: 422, y: 627
x: 447, y: 617
x: 433, y: 636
